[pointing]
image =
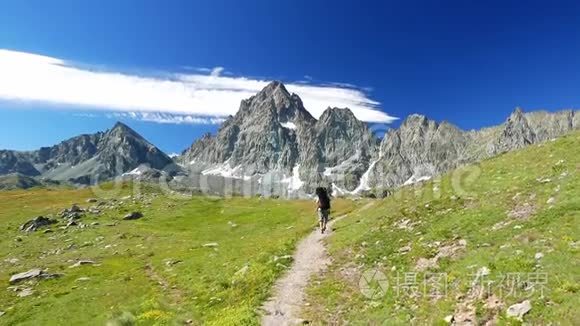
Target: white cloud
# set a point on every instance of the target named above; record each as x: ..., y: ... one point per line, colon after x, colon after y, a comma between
x: 160, y: 117
x: 31, y: 77
x: 215, y: 72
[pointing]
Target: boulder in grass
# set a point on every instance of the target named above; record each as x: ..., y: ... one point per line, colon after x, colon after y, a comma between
x: 518, y: 310
x: 81, y: 263
x: 31, y: 274
x: 133, y: 216
x: 36, y: 223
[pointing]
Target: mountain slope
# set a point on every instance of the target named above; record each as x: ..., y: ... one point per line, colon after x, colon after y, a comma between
x: 87, y: 158
x: 512, y: 220
x: 422, y: 148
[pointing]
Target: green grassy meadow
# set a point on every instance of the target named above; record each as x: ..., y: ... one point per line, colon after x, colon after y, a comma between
x: 517, y: 215
x: 183, y: 262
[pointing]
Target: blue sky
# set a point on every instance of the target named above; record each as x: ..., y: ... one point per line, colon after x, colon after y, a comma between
x: 466, y: 62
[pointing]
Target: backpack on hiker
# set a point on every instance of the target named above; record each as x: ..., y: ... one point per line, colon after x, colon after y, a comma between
x: 323, y: 198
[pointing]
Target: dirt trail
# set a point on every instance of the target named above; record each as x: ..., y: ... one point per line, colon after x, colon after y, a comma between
x: 310, y: 258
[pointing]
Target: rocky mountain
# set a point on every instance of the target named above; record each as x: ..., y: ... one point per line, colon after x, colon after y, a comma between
x: 422, y: 148
x: 273, y: 140
x: 273, y: 146
x: 86, y: 158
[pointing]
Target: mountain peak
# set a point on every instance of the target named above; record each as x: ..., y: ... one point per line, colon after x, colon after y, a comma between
x: 120, y: 126
x: 517, y: 117
x: 517, y: 113
x: 415, y: 119
x: 337, y: 113
x: 274, y: 89
x: 275, y: 84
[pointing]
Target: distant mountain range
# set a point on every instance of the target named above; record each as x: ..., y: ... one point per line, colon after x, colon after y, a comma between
x: 274, y: 146
x: 86, y: 159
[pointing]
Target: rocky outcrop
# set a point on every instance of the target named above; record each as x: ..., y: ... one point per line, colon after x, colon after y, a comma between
x: 36, y: 223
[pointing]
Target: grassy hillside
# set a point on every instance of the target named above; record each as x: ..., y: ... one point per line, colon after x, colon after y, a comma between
x: 17, y: 181
x: 185, y: 260
x: 469, y: 244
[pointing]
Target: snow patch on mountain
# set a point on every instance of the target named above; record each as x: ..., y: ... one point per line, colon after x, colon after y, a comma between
x: 289, y: 125
x: 136, y: 171
x: 293, y: 181
x: 226, y: 171
x: 415, y: 179
x: 337, y: 191
x: 364, y: 179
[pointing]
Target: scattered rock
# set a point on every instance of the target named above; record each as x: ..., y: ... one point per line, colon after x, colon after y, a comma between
x: 276, y: 258
x: 33, y: 273
x: 551, y: 200
x: 81, y: 263
x: 83, y: 279
x: 133, y: 216
x: 518, y: 310
x: 91, y: 200
x: 448, y: 319
x: 500, y: 225
x: 449, y: 251
x: 405, y: 249
x: 171, y: 262
x: 25, y: 292
x: 465, y: 315
x: 2, y: 313
x: 405, y: 224
x: 36, y: 223
x: 211, y: 245
x: 424, y: 264
x: 539, y: 256
x: 72, y: 213
x: 75, y: 209
x: 232, y: 224
x: 48, y: 231
x: 522, y: 211
x: 243, y: 271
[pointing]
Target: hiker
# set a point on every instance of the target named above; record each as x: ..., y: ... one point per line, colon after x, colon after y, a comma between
x: 323, y: 207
